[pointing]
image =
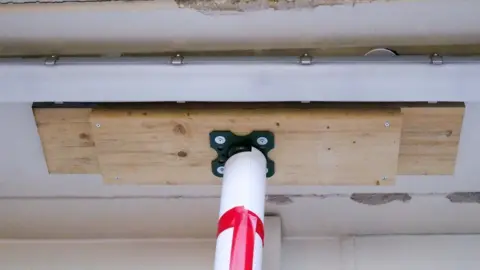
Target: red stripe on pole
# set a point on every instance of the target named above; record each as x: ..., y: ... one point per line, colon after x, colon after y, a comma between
x: 245, y: 224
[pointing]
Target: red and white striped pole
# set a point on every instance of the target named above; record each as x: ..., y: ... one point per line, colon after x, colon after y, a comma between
x: 240, y: 235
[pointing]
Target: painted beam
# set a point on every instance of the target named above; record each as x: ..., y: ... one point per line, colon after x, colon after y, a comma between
x: 248, y: 79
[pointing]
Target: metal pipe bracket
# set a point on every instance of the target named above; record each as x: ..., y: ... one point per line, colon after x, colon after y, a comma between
x: 227, y: 144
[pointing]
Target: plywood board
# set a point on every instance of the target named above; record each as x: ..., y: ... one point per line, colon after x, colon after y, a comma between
x: 314, y: 146
x: 428, y: 145
x: 67, y: 143
x: 430, y: 138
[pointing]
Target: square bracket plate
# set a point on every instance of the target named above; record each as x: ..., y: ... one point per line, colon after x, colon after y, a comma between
x: 227, y: 144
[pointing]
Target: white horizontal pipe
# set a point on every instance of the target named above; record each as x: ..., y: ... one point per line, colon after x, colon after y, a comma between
x: 248, y: 82
x: 242, y: 208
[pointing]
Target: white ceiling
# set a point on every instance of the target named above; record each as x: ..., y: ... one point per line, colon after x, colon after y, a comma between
x: 34, y: 204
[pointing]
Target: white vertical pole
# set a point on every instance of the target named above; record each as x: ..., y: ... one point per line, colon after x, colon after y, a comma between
x: 240, y: 234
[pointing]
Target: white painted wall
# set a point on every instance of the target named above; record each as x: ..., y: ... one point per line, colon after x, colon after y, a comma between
x: 440, y: 252
x: 159, y: 218
x: 417, y: 252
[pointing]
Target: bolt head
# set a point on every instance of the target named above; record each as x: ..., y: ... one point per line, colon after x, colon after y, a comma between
x: 98, y: 125
x: 220, y: 140
x: 387, y: 124
x: 262, y: 141
x: 220, y: 169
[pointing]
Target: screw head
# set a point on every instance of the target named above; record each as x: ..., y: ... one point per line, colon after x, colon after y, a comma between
x: 387, y: 124
x: 98, y: 125
x: 220, y: 140
x: 262, y: 141
x: 384, y: 178
x: 221, y: 169
x: 117, y: 178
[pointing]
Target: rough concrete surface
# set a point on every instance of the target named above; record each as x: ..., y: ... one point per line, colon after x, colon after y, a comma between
x: 278, y: 199
x: 221, y: 5
x: 464, y: 197
x: 379, y: 198
x: 252, y: 5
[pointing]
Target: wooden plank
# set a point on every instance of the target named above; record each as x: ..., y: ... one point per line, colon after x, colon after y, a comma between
x: 430, y: 138
x: 68, y: 151
x: 66, y: 139
x: 314, y: 146
x: 61, y: 115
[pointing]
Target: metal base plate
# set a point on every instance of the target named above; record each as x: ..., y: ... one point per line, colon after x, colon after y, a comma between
x: 228, y: 144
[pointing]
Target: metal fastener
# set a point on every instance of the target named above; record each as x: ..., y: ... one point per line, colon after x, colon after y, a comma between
x: 306, y: 59
x: 97, y: 125
x: 436, y: 59
x: 387, y: 124
x: 117, y: 178
x: 384, y: 178
x: 220, y: 169
x: 51, y: 60
x: 262, y: 140
x: 220, y: 140
x: 177, y: 59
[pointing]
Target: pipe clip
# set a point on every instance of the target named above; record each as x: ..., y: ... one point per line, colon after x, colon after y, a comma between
x: 177, y: 60
x: 305, y: 59
x: 227, y: 144
x: 51, y: 60
x: 436, y: 59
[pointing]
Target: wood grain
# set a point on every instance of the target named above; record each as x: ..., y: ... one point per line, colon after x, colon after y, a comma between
x: 428, y: 144
x: 66, y: 139
x: 313, y: 146
x: 430, y: 138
